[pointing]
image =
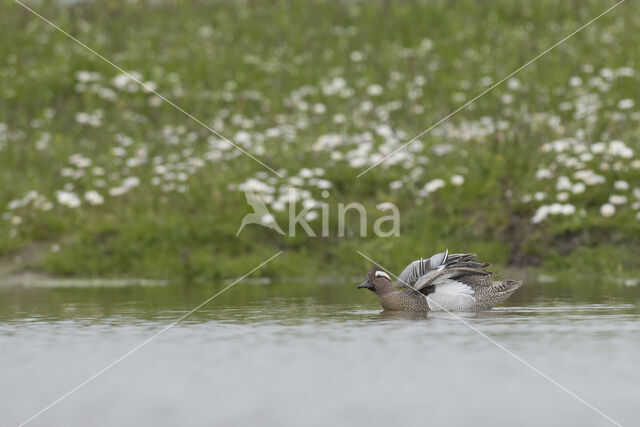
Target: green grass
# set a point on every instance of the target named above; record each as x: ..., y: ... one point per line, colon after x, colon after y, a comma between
x: 240, y: 67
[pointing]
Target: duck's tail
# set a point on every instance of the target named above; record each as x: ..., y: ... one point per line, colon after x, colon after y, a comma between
x: 500, y: 291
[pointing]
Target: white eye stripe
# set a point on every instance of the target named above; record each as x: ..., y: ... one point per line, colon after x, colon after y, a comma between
x: 382, y: 274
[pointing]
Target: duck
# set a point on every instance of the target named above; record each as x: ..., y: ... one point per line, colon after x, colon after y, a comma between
x: 442, y: 282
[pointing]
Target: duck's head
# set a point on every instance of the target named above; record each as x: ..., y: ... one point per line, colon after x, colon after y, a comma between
x: 377, y: 280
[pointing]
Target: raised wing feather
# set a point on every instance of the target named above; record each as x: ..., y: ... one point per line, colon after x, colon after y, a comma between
x: 425, y: 272
x: 435, y: 276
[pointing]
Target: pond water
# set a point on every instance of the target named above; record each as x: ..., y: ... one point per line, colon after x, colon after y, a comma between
x: 312, y: 354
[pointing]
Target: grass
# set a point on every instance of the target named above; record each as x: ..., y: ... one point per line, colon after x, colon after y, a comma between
x: 278, y: 78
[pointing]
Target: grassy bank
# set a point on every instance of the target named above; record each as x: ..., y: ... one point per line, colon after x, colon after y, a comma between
x: 106, y: 179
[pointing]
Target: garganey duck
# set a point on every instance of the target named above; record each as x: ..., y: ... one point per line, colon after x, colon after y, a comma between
x: 444, y: 282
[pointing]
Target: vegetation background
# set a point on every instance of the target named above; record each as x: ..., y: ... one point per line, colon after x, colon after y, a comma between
x: 101, y: 178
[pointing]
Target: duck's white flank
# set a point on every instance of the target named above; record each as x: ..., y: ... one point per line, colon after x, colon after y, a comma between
x: 451, y: 295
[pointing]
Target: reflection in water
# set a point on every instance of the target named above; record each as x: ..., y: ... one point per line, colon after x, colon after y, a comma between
x: 402, y: 315
x: 303, y: 354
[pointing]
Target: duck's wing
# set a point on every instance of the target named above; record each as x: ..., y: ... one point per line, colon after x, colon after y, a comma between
x: 418, y: 268
x: 440, y: 268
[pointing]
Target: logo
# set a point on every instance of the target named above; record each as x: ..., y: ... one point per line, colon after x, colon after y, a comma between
x: 384, y: 226
x: 260, y: 215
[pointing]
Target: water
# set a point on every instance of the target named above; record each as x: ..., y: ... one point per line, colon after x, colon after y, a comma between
x: 293, y: 354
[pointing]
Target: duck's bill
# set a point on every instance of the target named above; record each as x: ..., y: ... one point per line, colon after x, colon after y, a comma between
x: 365, y: 285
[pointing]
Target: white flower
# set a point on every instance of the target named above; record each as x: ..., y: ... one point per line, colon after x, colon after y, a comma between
x: 457, y: 180
x: 578, y: 188
x: 319, y: 108
x: 278, y: 206
x: 309, y: 203
x: 513, y: 83
x: 205, y: 31
x: 120, y: 81
x: 107, y: 93
x: 543, y: 173
x: 80, y: 161
x: 625, y: 104
x: 507, y: 98
x: 563, y: 183
x: 396, y: 185
x: 442, y: 149
x: 14, y: 204
x: 426, y: 44
x: 127, y: 81
x: 255, y: 185
x: 305, y: 173
x: 589, y: 177
x: 586, y: 157
x: 267, y: 219
x: 458, y: 97
x: 619, y: 148
x: 555, y: 209
x: 339, y: 118
x: 486, y: 81
x: 607, y: 210
x: 297, y: 181
x: 375, y: 90
x: 434, y: 185
x: 94, y: 119
x: 607, y: 73
x: 562, y: 196
x: 323, y: 184
x: 568, y: 209
x: 311, y: 215
x: 83, y: 118
x: 243, y: 138
x: 86, y: 76
x: 539, y: 196
x: 68, y: 198
x: 150, y: 86
x: 541, y: 214
x: 356, y: 56
x: 118, y: 151
x: 621, y: 185
x: 616, y: 199
x: 93, y: 197
x: 575, y: 81
x: 130, y: 182
x: 118, y: 191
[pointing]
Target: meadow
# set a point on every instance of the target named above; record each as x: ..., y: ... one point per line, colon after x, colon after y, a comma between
x: 99, y: 177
